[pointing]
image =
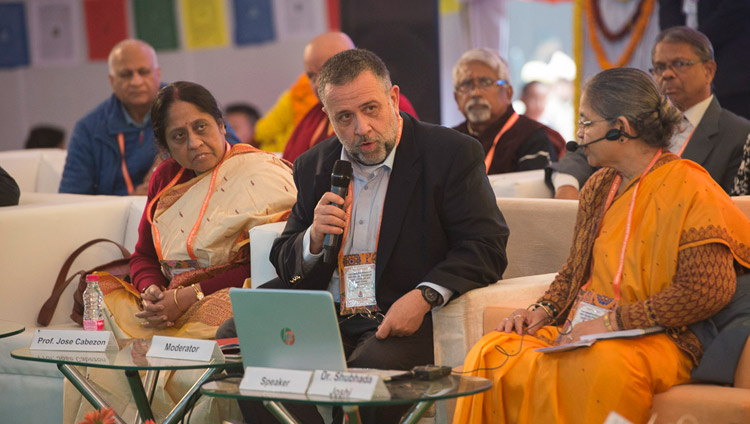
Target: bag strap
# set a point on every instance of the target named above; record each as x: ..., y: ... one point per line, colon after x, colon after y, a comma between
x: 48, y: 309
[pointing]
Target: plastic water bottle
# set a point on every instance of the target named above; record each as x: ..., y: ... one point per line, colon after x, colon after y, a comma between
x: 93, y: 311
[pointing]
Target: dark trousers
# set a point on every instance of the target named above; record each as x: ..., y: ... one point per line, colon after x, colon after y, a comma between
x: 362, y: 350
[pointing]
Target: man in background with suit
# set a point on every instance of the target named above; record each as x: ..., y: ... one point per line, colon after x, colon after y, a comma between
x: 420, y: 218
x: 683, y: 67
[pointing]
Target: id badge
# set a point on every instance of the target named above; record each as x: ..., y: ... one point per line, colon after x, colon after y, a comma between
x: 590, y: 306
x: 172, y: 268
x: 357, y: 277
x: 360, y: 285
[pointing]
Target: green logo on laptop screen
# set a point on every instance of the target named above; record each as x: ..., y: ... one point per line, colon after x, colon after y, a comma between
x: 287, y: 336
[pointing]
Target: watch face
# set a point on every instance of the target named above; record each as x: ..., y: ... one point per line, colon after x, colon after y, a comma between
x: 430, y: 295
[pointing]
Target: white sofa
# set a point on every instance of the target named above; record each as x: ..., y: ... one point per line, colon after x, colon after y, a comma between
x: 35, y: 239
x: 35, y: 170
x: 520, y: 184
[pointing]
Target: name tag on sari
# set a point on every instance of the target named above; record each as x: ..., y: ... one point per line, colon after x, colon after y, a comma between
x: 171, y: 268
x: 590, y: 306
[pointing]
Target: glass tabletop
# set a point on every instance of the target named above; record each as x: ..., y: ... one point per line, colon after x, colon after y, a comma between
x: 130, y: 355
x: 10, y: 328
x: 401, y: 391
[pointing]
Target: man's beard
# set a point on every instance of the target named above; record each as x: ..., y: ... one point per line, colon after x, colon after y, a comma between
x: 384, y: 145
x: 479, y: 114
x: 376, y: 156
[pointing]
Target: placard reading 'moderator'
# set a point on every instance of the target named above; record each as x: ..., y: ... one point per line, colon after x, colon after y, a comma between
x: 73, y: 340
x: 182, y: 348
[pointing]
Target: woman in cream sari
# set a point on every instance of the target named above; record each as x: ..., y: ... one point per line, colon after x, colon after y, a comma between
x: 657, y: 243
x: 193, y: 237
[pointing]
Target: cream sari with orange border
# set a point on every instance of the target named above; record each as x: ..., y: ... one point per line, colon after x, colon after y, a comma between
x: 251, y: 187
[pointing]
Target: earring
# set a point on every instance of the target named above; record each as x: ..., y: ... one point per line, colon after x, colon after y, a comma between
x: 622, y: 140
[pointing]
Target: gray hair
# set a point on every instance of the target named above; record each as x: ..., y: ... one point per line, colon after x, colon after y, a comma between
x: 346, y: 66
x: 491, y: 58
x: 681, y: 34
x: 631, y: 93
x: 122, y: 44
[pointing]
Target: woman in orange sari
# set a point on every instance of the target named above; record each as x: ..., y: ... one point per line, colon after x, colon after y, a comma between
x: 656, y: 243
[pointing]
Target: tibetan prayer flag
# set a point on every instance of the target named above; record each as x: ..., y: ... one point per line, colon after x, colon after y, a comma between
x: 51, y: 24
x: 155, y: 23
x: 106, y: 25
x: 204, y: 22
x: 14, y: 46
x: 253, y: 21
x: 298, y: 19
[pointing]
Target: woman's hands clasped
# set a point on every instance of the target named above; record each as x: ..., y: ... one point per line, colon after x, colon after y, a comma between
x: 159, y: 310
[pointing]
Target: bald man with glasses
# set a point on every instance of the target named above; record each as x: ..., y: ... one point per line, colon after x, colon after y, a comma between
x: 683, y: 67
x: 483, y: 93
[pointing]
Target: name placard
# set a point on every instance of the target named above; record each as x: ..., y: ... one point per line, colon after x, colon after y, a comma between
x: 182, y: 348
x: 73, y: 340
x: 347, y: 385
x: 275, y: 380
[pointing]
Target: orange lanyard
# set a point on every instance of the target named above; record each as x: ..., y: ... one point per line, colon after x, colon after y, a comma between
x: 319, y: 129
x: 628, y: 223
x: 194, y: 231
x: 491, y: 153
x: 351, y: 206
x: 125, y: 173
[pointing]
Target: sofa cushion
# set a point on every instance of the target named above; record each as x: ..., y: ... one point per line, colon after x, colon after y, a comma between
x: 35, y: 242
x: 541, y: 233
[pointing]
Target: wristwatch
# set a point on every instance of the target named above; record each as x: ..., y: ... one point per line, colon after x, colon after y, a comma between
x: 198, y: 292
x: 431, y: 296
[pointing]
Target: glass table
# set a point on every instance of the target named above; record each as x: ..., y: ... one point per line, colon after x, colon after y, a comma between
x: 130, y: 357
x: 10, y: 328
x: 412, y: 391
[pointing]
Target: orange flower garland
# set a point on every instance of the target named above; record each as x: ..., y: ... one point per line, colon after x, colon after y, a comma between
x: 640, y: 27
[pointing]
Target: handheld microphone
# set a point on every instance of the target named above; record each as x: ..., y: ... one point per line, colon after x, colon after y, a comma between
x: 340, y: 178
x: 611, y: 135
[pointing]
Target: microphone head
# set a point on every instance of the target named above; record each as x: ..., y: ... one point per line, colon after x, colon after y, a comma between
x: 571, y: 146
x: 341, y: 174
x: 343, y: 168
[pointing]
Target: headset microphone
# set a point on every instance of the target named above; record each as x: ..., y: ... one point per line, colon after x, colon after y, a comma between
x: 611, y: 135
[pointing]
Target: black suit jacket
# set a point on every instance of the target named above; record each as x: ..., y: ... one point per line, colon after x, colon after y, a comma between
x: 440, y: 223
x: 716, y: 145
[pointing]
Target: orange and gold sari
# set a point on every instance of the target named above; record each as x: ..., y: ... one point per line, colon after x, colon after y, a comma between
x: 678, y: 208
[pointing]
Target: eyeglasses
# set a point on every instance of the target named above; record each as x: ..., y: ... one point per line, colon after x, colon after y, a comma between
x: 676, y: 66
x: 585, y: 124
x: 484, y: 83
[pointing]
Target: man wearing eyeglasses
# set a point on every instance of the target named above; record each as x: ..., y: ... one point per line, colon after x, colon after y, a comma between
x: 511, y: 142
x: 683, y: 68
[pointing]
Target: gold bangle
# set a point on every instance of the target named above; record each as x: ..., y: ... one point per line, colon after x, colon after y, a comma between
x: 608, y: 324
x: 175, y: 300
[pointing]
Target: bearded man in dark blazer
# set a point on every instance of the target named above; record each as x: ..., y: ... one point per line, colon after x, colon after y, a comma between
x: 420, y: 215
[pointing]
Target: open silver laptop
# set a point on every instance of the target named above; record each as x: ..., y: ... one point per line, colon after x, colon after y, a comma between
x: 290, y: 329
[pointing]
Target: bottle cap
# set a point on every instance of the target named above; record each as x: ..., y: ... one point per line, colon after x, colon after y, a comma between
x: 92, y: 277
